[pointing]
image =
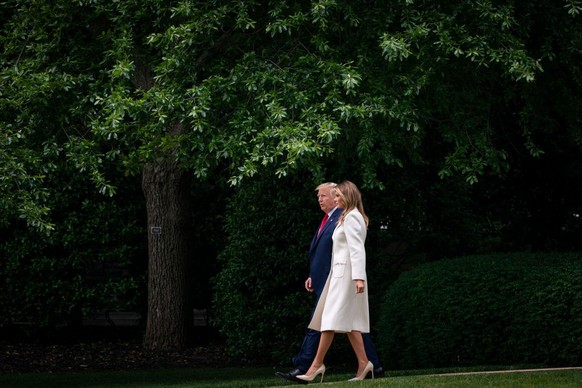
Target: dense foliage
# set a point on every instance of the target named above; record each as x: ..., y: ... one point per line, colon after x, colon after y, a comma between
x: 459, y: 119
x: 93, y: 261
x: 256, y: 87
x: 260, y: 303
x: 490, y: 309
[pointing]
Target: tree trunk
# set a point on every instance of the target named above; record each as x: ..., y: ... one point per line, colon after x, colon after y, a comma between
x: 167, y: 193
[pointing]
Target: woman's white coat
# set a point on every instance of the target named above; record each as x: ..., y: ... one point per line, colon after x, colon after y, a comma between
x: 339, y: 308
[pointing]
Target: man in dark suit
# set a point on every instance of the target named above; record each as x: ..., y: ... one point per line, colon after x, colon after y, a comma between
x: 319, y: 267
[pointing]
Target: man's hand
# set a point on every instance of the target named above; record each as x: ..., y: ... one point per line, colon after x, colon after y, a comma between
x: 308, y: 285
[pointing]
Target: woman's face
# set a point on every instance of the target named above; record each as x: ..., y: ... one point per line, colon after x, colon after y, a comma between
x: 338, y: 199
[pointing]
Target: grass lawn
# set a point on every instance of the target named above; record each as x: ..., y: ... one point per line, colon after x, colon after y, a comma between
x: 264, y: 377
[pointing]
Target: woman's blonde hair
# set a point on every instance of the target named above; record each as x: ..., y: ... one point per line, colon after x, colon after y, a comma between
x: 351, y: 199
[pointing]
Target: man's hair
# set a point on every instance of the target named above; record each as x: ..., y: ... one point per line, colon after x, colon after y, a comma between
x: 331, y: 186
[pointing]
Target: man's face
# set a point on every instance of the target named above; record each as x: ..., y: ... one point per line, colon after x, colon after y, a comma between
x: 325, y: 199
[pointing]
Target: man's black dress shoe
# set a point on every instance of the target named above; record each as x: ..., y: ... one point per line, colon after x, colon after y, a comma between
x: 378, y: 373
x: 292, y: 376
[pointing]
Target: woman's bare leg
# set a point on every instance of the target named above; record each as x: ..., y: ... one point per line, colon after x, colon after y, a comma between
x: 324, y: 344
x: 357, y: 342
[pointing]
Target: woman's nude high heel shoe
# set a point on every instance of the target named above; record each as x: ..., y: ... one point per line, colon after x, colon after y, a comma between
x: 319, y: 371
x: 369, y: 368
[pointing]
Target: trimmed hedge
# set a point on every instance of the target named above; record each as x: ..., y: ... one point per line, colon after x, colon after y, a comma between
x: 479, y: 310
x: 260, y: 305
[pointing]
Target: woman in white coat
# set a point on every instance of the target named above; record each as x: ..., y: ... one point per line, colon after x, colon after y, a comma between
x: 343, y: 305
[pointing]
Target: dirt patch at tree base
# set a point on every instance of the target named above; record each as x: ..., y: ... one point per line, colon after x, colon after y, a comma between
x: 102, y: 356
x: 102, y: 349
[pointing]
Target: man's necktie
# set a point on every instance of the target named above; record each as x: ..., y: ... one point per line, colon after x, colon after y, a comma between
x: 322, y: 223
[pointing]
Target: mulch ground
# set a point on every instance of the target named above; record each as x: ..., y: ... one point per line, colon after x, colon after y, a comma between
x: 17, y: 356
x: 100, y: 356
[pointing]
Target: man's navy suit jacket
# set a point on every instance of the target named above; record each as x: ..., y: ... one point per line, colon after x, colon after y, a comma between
x: 320, y: 253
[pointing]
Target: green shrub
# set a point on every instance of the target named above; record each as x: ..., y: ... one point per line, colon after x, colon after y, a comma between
x: 260, y: 305
x: 88, y: 263
x: 495, y: 309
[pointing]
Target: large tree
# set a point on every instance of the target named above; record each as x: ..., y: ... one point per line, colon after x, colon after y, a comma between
x: 182, y: 91
x: 171, y: 90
